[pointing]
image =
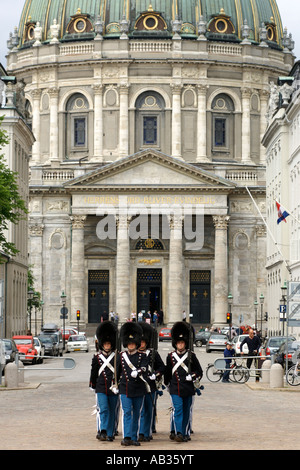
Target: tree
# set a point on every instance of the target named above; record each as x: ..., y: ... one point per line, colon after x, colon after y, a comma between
x: 12, y: 206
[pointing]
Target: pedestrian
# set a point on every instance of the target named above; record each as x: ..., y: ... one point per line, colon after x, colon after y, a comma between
x: 156, y: 370
x: 132, y: 372
x: 103, y: 380
x: 228, y: 354
x: 253, y: 342
x: 154, y: 318
x: 140, y: 316
x: 182, y: 369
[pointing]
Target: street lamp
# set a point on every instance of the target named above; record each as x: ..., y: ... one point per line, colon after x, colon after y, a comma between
x: 255, y: 309
x: 230, y: 301
x: 283, y: 304
x: 35, y: 299
x: 261, y: 299
x: 30, y: 295
x: 63, y: 301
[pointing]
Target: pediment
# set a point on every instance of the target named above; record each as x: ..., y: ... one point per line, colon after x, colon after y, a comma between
x: 148, y: 169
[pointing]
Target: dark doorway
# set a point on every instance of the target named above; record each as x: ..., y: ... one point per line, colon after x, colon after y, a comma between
x: 200, y: 297
x: 149, y: 290
x: 98, y: 292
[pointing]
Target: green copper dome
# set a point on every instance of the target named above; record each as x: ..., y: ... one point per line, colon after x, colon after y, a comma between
x: 81, y: 19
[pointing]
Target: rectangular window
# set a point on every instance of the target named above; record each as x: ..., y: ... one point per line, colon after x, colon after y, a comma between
x: 220, y: 132
x: 79, y: 132
x: 150, y: 130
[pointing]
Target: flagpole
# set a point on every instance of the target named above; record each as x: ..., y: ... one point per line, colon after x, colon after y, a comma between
x: 271, y: 234
x: 297, y: 220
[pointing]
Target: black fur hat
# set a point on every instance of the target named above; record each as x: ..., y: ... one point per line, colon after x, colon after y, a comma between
x: 148, y: 333
x: 107, y: 331
x: 131, y: 332
x: 181, y: 331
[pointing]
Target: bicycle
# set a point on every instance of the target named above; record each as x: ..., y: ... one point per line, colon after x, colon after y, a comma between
x: 293, y: 374
x: 238, y: 373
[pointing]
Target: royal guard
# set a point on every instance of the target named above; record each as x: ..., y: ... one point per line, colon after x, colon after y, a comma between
x: 132, y: 378
x: 183, y: 371
x: 156, y: 370
x: 103, y: 380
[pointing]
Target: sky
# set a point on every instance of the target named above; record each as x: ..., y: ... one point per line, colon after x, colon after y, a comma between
x: 11, y: 12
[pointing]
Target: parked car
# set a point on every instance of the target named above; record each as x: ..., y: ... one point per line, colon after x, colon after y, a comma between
x: 2, y: 356
x: 236, y: 341
x: 165, y: 334
x: 40, y: 349
x: 53, y: 330
x: 49, y: 345
x: 10, y: 350
x: 67, y: 332
x: 201, y: 337
x: 25, y: 345
x: 273, y: 344
x: 216, y: 342
x: 280, y: 357
x: 77, y: 343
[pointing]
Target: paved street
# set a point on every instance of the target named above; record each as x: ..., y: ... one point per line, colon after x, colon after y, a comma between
x: 54, y: 413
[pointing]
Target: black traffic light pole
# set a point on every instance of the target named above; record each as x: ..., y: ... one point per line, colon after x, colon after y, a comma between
x: 78, y: 318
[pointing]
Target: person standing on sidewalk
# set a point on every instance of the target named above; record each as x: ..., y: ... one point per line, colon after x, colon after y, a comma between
x: 228, y: 355
x: 102, y: 380
x: 253, y: 342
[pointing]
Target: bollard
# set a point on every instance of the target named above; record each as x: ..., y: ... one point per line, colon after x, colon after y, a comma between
x: 276, y: 376
x: 11, y: 375
x: 21, y: 372
x: 265, y: 373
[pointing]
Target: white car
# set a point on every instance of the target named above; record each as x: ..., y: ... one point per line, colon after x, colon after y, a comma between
x: 77, y: 343
x: 237, y: 344
x: 40, y: 350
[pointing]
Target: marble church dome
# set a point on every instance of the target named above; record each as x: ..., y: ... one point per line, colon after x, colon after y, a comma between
x: 218, y: 20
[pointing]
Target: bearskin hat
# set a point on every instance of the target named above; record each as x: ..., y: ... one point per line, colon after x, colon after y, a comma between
x: 148, y: 333
x: 107, y: 331
x: 182, y: 331
x: 131, y: 332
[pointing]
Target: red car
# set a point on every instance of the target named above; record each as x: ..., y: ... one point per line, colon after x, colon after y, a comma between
x: 68, y: 332
x: 165, y: 334
x: 25, y: 346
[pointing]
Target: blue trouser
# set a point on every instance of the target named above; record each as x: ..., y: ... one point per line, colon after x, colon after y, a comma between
x: 132, y: 408
x: 106, y: 413
x: 147, y: 415
x: 226, y: 372
x: 182, y: 407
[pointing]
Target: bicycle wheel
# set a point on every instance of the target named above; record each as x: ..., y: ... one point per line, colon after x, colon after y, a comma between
x: 213, y: 374
x: 293, y: 376
x: 241, y: 374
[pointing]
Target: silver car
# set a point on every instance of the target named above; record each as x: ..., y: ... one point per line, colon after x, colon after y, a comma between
x: 216, y: 342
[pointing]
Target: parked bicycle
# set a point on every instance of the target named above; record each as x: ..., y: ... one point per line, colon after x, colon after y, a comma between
x: 238, y: 373
x: 293, y: 374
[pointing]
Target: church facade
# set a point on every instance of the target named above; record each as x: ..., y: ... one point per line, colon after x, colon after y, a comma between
x: 148, y: 120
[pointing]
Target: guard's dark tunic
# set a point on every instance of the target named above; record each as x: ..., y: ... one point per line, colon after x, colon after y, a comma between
x: 128, y: 385
x: 176, y: 381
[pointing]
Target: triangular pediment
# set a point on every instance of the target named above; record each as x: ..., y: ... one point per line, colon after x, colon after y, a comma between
x: 148, y: 168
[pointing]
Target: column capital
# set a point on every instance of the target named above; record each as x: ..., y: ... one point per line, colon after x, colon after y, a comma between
x: 123, y: 221
x: 53, y: 92
x: 36, y: 230
x: 202, y: 88
x: 78, y: 221
x: 175, y: 221
x: 36, y: 93
x: 221, y: 221
x: 176, y: 88
x: 246, y: 92
x: 98, y: 88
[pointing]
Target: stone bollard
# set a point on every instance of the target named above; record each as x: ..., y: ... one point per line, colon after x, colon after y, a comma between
x: 265, y: 373
x: 276, y: 376
x: 21, y: 372
x: 11, y: 375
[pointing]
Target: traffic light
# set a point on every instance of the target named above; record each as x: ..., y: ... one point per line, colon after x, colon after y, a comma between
x: 228, y: 317
x: 266, y: 316
x: 78, y: 315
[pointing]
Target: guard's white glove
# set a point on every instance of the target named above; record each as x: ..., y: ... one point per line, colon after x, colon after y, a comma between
x: 152, y: 377
x: 134, y: 374
x: 188, y: 378
x: 115, y: 390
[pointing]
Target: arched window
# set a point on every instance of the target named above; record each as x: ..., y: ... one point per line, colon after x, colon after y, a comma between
x: 223, y: 126
x: 77, y: 126
x: 150, y: 121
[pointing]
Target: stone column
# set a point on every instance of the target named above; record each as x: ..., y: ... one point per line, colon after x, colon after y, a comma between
x: 176, y: 121
x: 53, y: 93
x: 98, y: 122
x: 123, y: 127
x: 201, y: 124
x: 36, y: 253
x: 264, y: 100
x: 123, y: 268
x: 36, y: 126
x: 221, y: 269
x: 77, y: 268
x: 246, y: 128
x: 175, y: 270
